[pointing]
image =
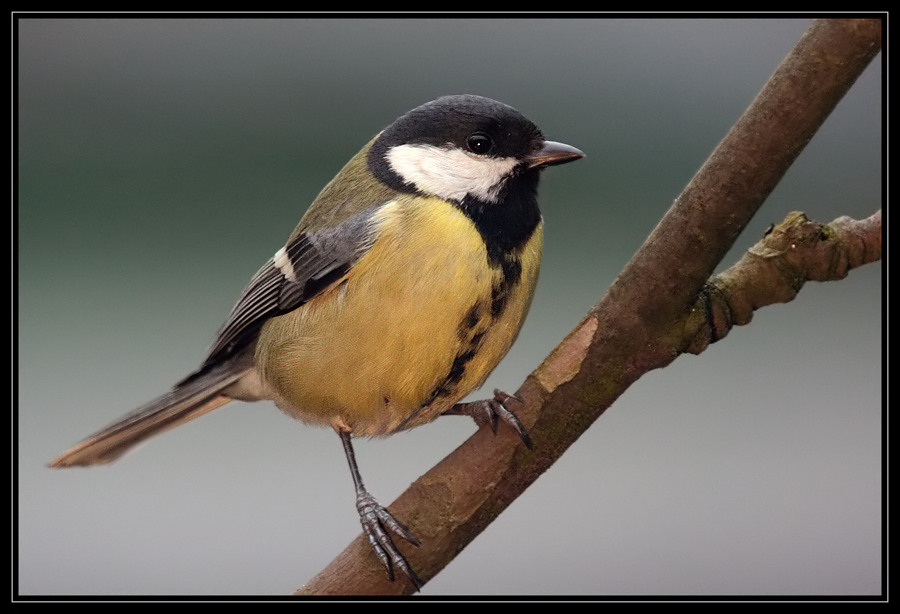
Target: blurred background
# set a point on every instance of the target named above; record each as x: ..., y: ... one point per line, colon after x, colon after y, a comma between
x: 162, y: 161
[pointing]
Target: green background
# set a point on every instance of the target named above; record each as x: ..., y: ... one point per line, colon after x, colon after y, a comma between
x: 161, y: 161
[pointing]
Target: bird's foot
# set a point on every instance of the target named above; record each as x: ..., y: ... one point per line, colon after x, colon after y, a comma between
x: 491, y: 411
x: 378, y: 524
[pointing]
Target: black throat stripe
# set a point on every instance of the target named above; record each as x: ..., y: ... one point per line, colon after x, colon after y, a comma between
x: 505, y: 227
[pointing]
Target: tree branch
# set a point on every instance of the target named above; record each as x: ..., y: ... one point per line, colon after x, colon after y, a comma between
x: 658, y: 307
x: 773, y: 271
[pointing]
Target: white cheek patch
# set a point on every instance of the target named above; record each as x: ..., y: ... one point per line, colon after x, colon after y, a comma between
x: 450, y: 173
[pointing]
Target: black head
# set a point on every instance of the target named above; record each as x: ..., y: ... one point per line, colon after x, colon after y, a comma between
x: 461, y: 148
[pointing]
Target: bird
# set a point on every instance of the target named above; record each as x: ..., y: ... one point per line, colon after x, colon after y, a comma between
x: 403, y: 285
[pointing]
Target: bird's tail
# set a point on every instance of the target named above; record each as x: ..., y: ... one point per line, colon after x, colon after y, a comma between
x: 196, y: 395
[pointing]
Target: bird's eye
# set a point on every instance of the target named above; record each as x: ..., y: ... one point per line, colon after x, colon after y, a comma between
x: 479, y: 143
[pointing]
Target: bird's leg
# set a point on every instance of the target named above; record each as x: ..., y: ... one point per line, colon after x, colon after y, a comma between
x: 490, y: 411
x: 378, y: 523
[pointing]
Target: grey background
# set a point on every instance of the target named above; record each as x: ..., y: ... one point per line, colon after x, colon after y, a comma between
x: 161, y: 161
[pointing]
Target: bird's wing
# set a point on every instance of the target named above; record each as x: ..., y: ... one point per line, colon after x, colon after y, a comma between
x: 310, y: 263
x: 306, y: 266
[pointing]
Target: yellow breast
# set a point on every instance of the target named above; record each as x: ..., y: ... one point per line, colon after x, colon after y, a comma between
x: 418, y: 323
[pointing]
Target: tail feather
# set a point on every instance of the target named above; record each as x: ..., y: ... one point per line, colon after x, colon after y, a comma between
x: 189, y: 399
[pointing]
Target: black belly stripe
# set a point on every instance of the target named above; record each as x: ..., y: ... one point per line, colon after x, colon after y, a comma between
x: 471, y: 331
x: 447, y: 386
x: 510, y: 274
x: 505, y: 227
x: 475, y: 325
x: 470, y: 321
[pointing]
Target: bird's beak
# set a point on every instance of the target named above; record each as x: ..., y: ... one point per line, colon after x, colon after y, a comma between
x: 551, y: 153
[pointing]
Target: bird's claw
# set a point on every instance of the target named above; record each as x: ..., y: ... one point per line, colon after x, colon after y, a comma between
x: 378, y: 523
x: 491, y: 411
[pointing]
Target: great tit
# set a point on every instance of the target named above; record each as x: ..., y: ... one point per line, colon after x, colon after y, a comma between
x: 399, y: 291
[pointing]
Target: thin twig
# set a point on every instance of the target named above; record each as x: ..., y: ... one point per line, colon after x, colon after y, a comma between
x: 776, y: 268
